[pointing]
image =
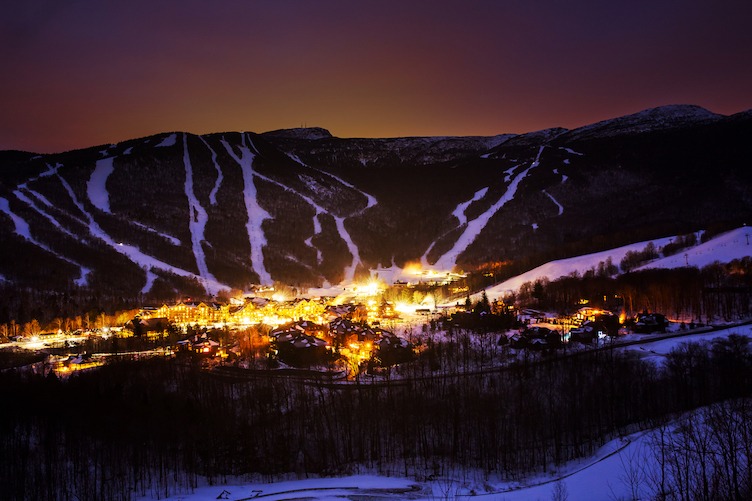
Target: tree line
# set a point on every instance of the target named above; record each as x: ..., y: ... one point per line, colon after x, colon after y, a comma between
x: 157, y: 426
x: 715, y: 291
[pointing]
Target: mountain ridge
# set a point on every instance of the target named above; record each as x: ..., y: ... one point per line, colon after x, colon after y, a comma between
x: 178, y: 211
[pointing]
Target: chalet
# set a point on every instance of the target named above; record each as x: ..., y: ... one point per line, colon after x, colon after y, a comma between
x: 391, y: 350
x: 537, y: 338
x: 303, y: 326
x: 354, y: 312
x: 589, y: 332
x: 155, y: 326
x: 300, y: 350
x: 200, y: 344
x: 648, y: 323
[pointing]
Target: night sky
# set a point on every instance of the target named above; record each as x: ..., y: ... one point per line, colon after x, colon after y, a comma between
x: 83, y: 73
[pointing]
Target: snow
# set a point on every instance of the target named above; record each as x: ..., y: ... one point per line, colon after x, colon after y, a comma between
x: 256, y: 214
x: 134, y: 253
x: 509, y: 172
x: 339, y: 221
x: 170, y: 238
x: 197, y: 217
x: 168, y: 141
x: 562, y: 267
x: 561, y: 208
x: 150, y: 278
x: 22, y: 229
x: 535, y: 226
x: 571, y: 151
x: 349, y: 270
x: 474, y: 227
x: 459, y: 212
x: 41, y: 211
x: 660, y: 348
x: 596, y: 478
x: 566, y: 161
x: 96, y: 187
x: 723, y: 248
x: 128, y: 151
x: 218, y: 182
x: 316, y: 488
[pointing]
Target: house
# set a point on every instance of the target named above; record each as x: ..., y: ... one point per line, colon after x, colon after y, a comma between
x: 648, y: 323
x: 300, y: 350
x: 392, y: 350
x: 589, y: 332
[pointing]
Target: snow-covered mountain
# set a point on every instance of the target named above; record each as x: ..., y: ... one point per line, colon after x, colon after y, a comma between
x: 300, y: 206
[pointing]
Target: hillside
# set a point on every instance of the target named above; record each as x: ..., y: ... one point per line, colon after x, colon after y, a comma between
x: 177, y: 211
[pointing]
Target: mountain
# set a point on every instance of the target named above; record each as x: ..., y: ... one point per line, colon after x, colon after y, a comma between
x: 178, y: 211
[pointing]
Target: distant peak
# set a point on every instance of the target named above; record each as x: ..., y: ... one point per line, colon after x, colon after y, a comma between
x: 651, y: 119
x: 677, y: 111
x: 311, y: 133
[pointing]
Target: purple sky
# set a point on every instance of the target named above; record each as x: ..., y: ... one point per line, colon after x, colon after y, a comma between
x: 80, y: 73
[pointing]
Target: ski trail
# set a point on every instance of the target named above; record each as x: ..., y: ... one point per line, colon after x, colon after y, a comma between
x: 41, y: 211
x: 561, y: 208
x: 371, y: 200
x: 21, y: 228
x: 349, y: 270
x: 424, y: 258
x: 319, y: 254
x: 150, y: 278
x: 570, y: 151
x: 218, y: 182
x: 96, y: 188
x: 474, y: 227
x: 170, y: 238
x: 134, y: 253
x: 197, y: 216
x: 459, y: 212
x: 340, y: 221
x: 256, y: 214
x: 168, y: 141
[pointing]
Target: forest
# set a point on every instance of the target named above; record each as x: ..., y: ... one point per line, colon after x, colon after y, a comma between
x: 717, y: 291
x: 161, y: 426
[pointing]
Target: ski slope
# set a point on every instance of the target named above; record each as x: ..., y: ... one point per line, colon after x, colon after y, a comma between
x: 474, y: 227
x: 722, y: 248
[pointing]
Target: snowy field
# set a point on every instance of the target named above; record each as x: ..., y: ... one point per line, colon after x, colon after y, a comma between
x: 598, y: 478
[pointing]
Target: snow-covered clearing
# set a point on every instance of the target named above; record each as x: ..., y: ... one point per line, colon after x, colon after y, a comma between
x: 197, y: 217
x: 96, y: 187
x: 256, y: 214
x: 168, y: 141
x: 561, y: 208
x: 220, y: 177
x: 474, y: 227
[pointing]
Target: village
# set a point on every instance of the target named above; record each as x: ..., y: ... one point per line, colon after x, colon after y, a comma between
x: 359, y: 336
